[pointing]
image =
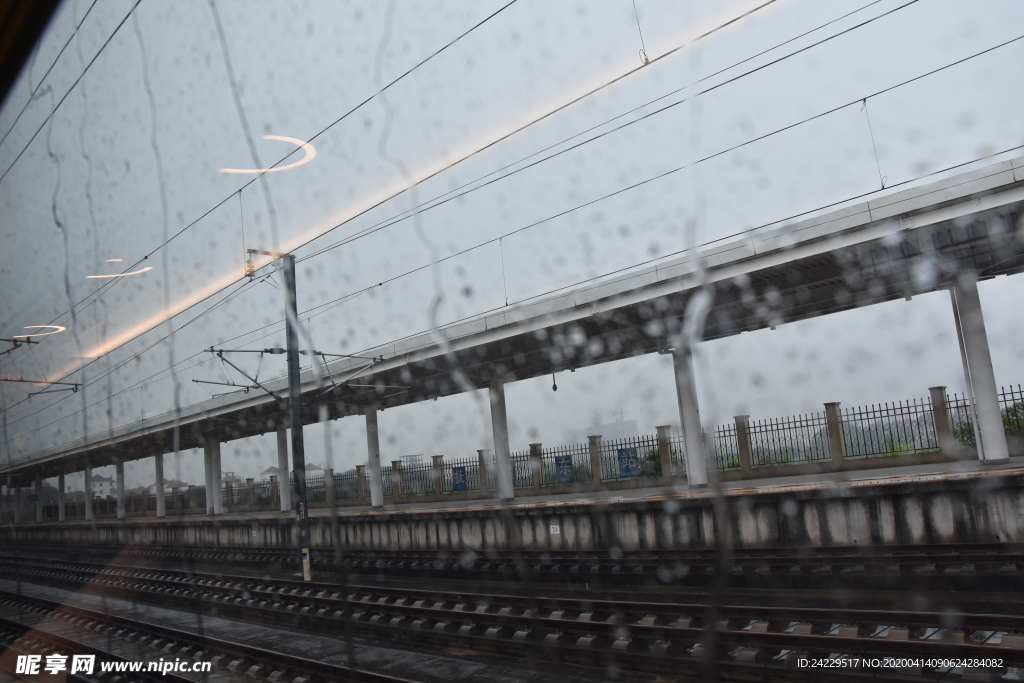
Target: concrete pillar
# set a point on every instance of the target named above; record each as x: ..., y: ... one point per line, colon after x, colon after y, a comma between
x: 499, y: 428
x: 38, y: 486
x: 145, y: 502
x: 158, y: 490
x: 274, y: 493
x: 979, y: 375
x: 329, y: 487
x: 438, y: 472
x: 88, y: 492
x: 17, y: 504
x: 396, y: 478
x: 361, y: 482
x: 537, y: 465
x: 191, y: 497
x: 744, y: 445
x: 481, y: 459
x: 175, y: 499
x: 119, y: 488
x: 373, y: 459
x: 229, y: 496
x: 285, y: 492
x: 62, y: 505
x: 596, y: 464
x: 211, y: 459
x: 664, y: 450
x: 689, y: 414
x: 250, y: 486
x: 836, y: 437
x: 940, y: 416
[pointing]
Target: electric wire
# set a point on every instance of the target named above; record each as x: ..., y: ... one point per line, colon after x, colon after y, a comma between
x: 774, y: 132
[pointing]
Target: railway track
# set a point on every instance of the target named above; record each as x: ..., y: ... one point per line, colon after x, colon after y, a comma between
x: 970, y: 567
x: 161, y: 640
x: 651, y: 637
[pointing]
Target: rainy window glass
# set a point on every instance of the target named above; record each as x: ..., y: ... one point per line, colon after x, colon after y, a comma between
x: 511, y: 340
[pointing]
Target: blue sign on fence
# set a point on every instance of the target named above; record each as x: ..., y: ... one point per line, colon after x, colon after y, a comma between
x: 459, y: 479
x: 629, y: 463
x: 564, y: 469
x: 32, y: 497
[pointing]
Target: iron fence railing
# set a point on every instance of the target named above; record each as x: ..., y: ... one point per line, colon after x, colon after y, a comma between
x: 961, y: 418
x: 564, y: 465
x: 1011, y: 402
x: 522, y: 470
x: 462, y: 475
x: 887, y: 429
x: 792, y: 439
x: 726, y: 447
x: 346, y: 486
x: 629, y: 458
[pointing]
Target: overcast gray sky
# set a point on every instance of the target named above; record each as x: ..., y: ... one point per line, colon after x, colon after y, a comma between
x: 117, y: 145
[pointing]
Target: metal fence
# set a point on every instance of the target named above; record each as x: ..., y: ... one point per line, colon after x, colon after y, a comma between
x: 889, y: 429
x: 346, y: 486
x: 1011, y: 402
x: 785, y: 440
x: 961, y: 418
x: 563, y: 465
x: 632, y: 457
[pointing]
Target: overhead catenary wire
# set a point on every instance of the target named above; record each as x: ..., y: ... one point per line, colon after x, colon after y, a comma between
x: 826, y: 113
x: 785, y: 128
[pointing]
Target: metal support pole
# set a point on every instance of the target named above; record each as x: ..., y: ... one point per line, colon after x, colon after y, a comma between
x: 978, y: 371
x: 689, y: 414
x: 158, y: 488
x: 62, y: 511
x: 499, y: 428
x: 295, y: 410
x: 88, y: 492
x: 373, y: 459
x: 119, y: 475
x: 285, y: 497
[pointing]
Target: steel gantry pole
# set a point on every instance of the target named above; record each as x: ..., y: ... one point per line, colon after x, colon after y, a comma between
x: 295, y: 410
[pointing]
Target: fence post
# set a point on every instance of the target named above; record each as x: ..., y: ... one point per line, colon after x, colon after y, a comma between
x: 836, y: 438
x: 175, y: 500
x: 438, y: 472
x: 329, y: 487
x: 361, y: 482
x: 940, y: 416
x: 743, y: 444
x: 596, y: 468
x: 481, y: 458
x: 229, y: 496
x: 665, y: 450
x: 396, y: 478
x: 191, y: 497
x: 274, y: 493
x: 250, y: 485
x: 536, y: 450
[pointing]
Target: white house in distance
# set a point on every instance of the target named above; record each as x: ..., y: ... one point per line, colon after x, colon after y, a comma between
x: 169, y: 484
x: 101, y: 486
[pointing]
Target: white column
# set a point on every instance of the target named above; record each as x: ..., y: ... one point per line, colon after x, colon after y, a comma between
x: 158, y: 490
x: 62, y: 513
x: 978, y: 369
x: 282, y: 466
x: 373, y: 459
x: 119, y: 474
x: 88, y: 491
x: 39, y: 497
x: 499, y: 429
x: 689, y: 415
x: 211, y: 457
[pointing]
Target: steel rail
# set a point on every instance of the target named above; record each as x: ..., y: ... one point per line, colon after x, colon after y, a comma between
x: 634, y: 625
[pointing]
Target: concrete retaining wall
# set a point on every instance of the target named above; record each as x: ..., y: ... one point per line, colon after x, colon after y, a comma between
x: 982, y: 509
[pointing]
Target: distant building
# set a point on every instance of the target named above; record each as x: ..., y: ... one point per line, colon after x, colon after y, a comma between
x: 102, y: 486
x: 311, y: 468
x: 168, y: 485
x: 613, y: 431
